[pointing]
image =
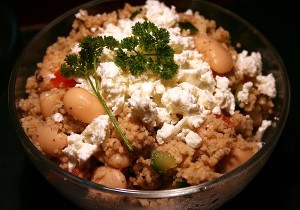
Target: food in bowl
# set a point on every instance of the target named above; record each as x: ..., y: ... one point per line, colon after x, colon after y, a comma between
x: 148, y: 98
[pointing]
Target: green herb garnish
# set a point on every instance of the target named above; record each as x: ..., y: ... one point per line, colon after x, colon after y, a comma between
x: 188, y: 26
x: 85, y: 65
x: 147, y: 48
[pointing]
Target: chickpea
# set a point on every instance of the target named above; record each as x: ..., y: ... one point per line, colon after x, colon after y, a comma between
x: 118, y: 160
x: 109, y: 177
x: 50, y: 140
x: 235, y: 158
x: 214, y: 54
x: 82, y: 105
x: 48, y: 102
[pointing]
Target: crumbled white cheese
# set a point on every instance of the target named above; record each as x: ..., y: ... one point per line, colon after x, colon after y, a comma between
x: 216, y: 110
x: 120, y: 31
x: 178, y: 42
x: 223, y: 97
x: 112, y: 86
x: 195, y: 120
x: 243, y: 94
x: 163, y: 116
x: 261, y: 130
x: 207, y: 81
x: 193, y: 139
x: 144, y: 108
x: 76, y: 48
x: 222, y: 83
x: 180, y: 101
x: 194, y: 76
x: 79, y: 15
x: 93, y: 29
x: 97, y: 130
x: 249, y: 65
x: 82, y: 146
x: 107, y: 55
x: 83, y: 83
x: 188, y: 57
x: 266, y: 85
x: 57, y: 117
x: 51, y: 75
x: 190, y: 137
x: 159, y: 88
x: 168, y: 131
x: 78, y: 151
x: 161, y: 15
x: 189, y: 12
x: 259, y: 144
x: 206, y: 99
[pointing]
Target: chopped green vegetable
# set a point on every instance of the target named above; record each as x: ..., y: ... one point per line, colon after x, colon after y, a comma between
x: 188, y: 26
x: 85, y: 65
x: 237, y: 90
x: 147, y: 49
x: 181, y: 184
x: 135, y: 13
x: 162, y: 161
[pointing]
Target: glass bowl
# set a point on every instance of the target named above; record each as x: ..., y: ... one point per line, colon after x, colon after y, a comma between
x: 209, y: 195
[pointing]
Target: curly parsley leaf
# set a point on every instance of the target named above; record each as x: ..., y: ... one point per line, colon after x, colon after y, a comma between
x: 147, y: 49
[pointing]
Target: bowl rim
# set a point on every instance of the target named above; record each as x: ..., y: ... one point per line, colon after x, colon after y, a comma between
x: 30, y: 147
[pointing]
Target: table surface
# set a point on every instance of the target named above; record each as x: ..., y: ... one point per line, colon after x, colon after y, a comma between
x: 277, y: 186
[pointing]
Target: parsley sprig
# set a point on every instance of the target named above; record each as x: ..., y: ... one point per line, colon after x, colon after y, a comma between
x: 85, y: 65
x: 146, y: 49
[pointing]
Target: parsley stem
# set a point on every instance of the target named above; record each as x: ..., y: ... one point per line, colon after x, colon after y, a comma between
x: 111, y: 116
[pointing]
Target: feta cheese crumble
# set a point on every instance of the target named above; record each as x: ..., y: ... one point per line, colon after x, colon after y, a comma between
x: 261, y: 130
x: 82, y: 146
x: 244, y: 93
x: 249, y: 65
x: 266, y: 85
x: 161, y: 15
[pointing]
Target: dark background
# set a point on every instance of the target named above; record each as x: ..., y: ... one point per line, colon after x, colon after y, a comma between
x: 277, y: 186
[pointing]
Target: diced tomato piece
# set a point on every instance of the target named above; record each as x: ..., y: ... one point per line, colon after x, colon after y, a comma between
x: 62, y: 82
x: 224, y: 118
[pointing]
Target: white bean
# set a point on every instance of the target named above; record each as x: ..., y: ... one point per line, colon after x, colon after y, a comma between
x: 214, y: 54
x: 235, y: 158
x: 109, y: 177
x: 48, y: 102
x: 82, y: 105
x: 118, y: 160
x: 50, y: 140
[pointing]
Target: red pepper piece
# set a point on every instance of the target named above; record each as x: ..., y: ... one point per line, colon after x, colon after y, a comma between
x: 62, y: 82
